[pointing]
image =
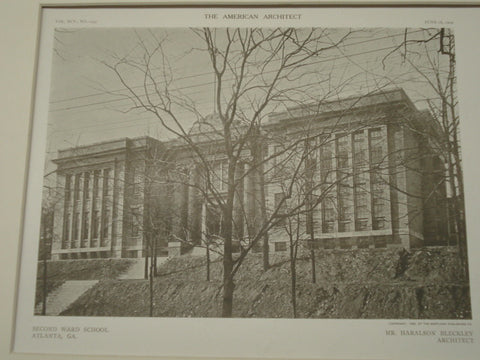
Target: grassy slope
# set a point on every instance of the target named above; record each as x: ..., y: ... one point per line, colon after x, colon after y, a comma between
x: 60, y: 271
x: 350, y: 284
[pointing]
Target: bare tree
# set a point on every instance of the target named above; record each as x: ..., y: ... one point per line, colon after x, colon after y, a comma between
x: 253, y: 72
x: 437, y: 71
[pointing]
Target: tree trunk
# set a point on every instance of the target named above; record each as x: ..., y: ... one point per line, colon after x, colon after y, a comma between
x: 151, y: 289
x: 460, y: 200
x: 146, y: 263
x: 208, y: 261
x: 312, y: 249
x: 263, y: 209
x: 228, y: 285
x: 155, y: 257
x: 293, y: 276
x: 312, y: 256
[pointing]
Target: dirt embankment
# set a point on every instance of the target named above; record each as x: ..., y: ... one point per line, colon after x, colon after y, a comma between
x: 373, y: 283
x: 60, y: 271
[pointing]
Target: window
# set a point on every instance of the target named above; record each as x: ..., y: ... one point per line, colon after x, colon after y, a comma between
x: 96, y: 224
x: 106, y: 175
x: 360, y: 179
x: 96, y: 189
x: 344, y: 189
x: 376, y: 154
x: 279, y: 156
x: 328, y: 223
x: 136, y: 221
x: 359, y: 149
x: 281, y: 246
x: 311, y: 158
x: 106, y: 223
x: 86, y: 185
x: 342, y: 152
x: 376, y: 179
x: 219, y: 176
x: 86, y: 215
x: 342, y: 159
x: 68, y: 191
x: 344, y: 216
x: 358, y: 137
x: 77, y: 187
x: 326, y: 155
x: 281, y: 205
x: 309, y: 221
x: 360, y: 157
x: 361, y: 224
x: 328, y: 179
x: 76, y: 223
x: 344, y: 226
x: 379, y: 223
x: 361, y: 211
x: 375, y: 133
x: 135, y: 229
x: 378, y: 206
x: 310, y: 167
x: 378, y: 211
x: 66, y: 228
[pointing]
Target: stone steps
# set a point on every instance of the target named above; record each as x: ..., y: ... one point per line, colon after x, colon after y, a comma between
x: 59, y: 299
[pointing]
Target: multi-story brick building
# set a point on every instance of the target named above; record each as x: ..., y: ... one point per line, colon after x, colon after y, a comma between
x: 371, y: 172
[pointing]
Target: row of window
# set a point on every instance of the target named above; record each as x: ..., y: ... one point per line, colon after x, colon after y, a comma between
x: 351, y: 204
x: 86, y: 176
x: 97, y: 230
x: 82, y: 223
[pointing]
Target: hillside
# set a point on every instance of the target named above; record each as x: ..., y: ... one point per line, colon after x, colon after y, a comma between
x: 60, y: 271
x: 374, y: 283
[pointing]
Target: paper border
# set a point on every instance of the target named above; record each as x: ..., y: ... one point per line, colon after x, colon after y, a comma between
x: 469, y: 146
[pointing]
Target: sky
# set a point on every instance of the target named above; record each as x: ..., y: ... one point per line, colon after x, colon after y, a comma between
x: 87, y: 99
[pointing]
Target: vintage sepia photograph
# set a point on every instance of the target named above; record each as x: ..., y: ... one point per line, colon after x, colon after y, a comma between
x: 310, y: 173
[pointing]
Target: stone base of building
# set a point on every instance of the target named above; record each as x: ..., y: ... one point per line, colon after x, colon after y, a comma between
x: 174, y: 248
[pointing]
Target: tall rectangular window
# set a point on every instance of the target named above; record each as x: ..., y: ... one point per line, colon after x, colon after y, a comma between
x: 95, y: 224
x: 86, y: 185
x: 280, y: 203
x: 77, y: 187
x: 327, y: 159
x: 342, y: 151
x: 86, y: 215
x: 328, y: 215
x: 280, y: 160
x: 359, y: 149
x: 361, y: 211
x: 66, y: 230
x: 106, y: 224
x: 106, y: 176
x: 96, y: 188
x: 75, y: 226
x: 136, y: 182
x: 375, y: 134
x: 377, y: 144
x: 68, y: 187
x: 376, y: 154
x: 215, y: 174
x: 378, y: 212
x: 344, y: 215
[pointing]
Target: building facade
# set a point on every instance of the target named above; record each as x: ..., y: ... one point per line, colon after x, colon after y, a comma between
x: 360, y: 172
